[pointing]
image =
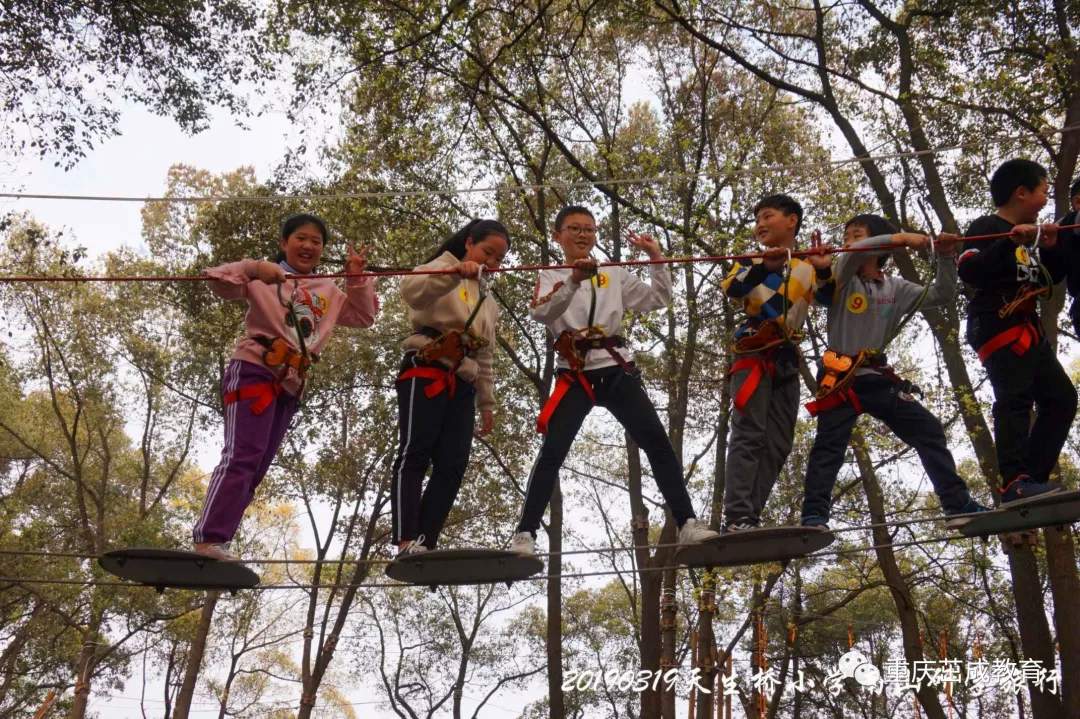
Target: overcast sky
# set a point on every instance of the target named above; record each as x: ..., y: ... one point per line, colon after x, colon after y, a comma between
x: 136, y: 163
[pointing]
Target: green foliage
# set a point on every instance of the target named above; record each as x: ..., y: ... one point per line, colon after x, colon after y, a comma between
x: 68, y: 65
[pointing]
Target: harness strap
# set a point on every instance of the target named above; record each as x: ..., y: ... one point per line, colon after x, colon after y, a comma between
x: 441, y: 380
x: 264, y: 394
x: 837, y: 398
x: 1022, y: 337
x: 583, y: 345
x: 758, y: 366
x: 565, y: 381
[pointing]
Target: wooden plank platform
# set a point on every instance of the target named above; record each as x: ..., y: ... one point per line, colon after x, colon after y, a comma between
x: 445, y: 567
x: 755, y: 546
x: 1059, y: 509
x: 177, y: 569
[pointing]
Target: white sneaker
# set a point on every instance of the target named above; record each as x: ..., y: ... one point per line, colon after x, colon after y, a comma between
x: 216, y: 551
x: 693, y: 532
x: 523, y: 543
x: 413, y: 547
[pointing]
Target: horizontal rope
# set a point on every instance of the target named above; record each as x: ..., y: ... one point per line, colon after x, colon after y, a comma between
x: 570, y: 552
x: 647, y: 180
x: 534, y: 578
x: 889, y: 524
x: 829, y: 250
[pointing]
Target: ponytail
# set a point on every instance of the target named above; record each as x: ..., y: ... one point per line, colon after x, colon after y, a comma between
x: 476, y: 231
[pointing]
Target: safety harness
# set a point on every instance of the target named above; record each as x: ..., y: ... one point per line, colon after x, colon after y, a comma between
x: 835, y: 388
x: 279, y: 357
x: 448, y: 350
x: 574, y: 346
x: 761, y: 346
x: 1020, y: 337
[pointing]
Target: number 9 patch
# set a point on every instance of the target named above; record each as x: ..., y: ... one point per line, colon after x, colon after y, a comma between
x: 857, y: 304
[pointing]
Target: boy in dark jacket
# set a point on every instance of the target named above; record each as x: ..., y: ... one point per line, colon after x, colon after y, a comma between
x: 1008, y: 276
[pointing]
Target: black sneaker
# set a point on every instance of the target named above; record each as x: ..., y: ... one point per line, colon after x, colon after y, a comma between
x: 957, y: 518
x: 740, y: 524
x: 813, y: 521
x: 1023, y: 487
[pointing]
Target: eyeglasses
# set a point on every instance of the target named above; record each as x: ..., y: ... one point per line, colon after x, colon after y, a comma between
x: 579, y: 230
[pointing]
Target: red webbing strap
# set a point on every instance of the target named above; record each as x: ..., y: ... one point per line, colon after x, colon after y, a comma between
x: 264, y: 394
x: 562, y: 386
x: 1021, y: 337
x: 757, y: 366
x: 441, y: 380
x: 833, y: 400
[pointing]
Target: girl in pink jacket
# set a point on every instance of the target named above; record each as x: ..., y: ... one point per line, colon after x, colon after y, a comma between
x: 287, y: 324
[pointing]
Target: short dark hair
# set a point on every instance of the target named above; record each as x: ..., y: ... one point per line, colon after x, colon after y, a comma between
x: 875, y: 225
x: 571, y: 210
x: 477, y: 231
x: 1012, y: 175
x: 1075, y: 189
x: 292, y: 223
x: 785, y: 204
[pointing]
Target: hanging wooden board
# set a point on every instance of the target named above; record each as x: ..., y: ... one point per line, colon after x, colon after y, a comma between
x: 444, y: 567
x: 176, y: 569
x: 1059, y: 509
x: 755, y: 546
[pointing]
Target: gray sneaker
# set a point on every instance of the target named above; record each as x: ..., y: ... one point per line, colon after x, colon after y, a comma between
x: 523, y: 543
x: 694, y: 532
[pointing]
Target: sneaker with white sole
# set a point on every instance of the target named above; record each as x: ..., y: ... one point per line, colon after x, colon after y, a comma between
x: 413, y: 547
x: 693, y: 532
x: 216, y: 550
x: 523, y: 543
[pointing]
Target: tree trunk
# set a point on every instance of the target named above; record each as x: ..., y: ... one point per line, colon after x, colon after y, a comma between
x: 706, y: 647
x: 1060, y: 550
x: 84, y: 668
x: 195, y: 657
x: 898, y: 586
x: 1035, y: 639
x: 14, y: 648
x: 556, y: 700
x: 667, y: 641
x: 649, y: 649
x: 1065, y: 591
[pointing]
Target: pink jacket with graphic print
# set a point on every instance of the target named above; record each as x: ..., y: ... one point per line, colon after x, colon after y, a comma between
x: 320, y: 306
